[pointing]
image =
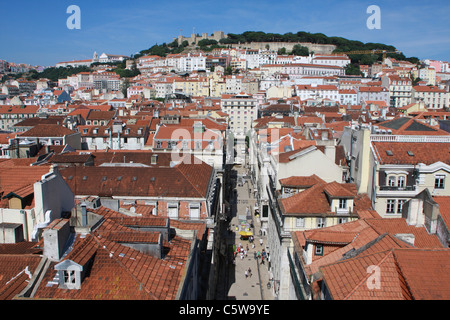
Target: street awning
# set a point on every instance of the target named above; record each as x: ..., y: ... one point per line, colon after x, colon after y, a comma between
x: 246, y: 233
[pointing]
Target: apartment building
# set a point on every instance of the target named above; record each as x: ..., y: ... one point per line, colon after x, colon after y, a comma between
x: 314, y: 91
x: 396, y: 160
x: 190, y: 62
x: 432, y: 97
x: 348, y: 97
x: 373, y: 93
x: 10, y: 115
x: 400, y: 90
x: 202, y: 137
x: 332, y: 60
x: 242, y: 110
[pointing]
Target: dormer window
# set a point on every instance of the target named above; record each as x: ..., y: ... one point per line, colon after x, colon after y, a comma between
x: 69, y: 274
x: 342, y: 203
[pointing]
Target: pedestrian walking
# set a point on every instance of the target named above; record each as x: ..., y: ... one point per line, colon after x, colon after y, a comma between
x: 261, y: 241
x: 246, y: 274
x: 250, y: 272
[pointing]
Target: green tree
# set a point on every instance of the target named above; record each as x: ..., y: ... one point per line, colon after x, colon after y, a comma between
x: 228, y: 70
x: 300, y: 50
x: 353, y: 70
x: 282, y: 51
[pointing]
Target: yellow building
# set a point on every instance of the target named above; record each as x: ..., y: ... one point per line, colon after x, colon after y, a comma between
x: 192, y: 87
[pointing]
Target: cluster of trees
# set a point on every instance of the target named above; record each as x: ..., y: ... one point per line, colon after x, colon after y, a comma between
x: 164, y: 49
x: 54, y: 73
x: 297, y: 50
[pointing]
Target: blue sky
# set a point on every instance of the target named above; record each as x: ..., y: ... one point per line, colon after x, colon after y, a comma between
x: 35, y: 32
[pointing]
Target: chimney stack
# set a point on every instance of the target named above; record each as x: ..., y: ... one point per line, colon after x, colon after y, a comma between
x: 83, y: 215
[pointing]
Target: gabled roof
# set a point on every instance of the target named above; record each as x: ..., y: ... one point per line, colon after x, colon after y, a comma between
x: 315, y: 200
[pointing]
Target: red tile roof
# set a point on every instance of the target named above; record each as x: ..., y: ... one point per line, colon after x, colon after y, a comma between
x: 182, y: 180
x: 47, y: 130
x: 16, y: 271
x: 116, y: 271
x: 422, y: 152
x: 398, y: 276
x: 444, y: 208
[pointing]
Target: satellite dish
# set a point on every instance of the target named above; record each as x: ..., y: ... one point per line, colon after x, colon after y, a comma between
x: 133, y: 209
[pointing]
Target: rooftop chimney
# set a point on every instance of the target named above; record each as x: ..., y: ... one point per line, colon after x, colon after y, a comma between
x: 83, y: 215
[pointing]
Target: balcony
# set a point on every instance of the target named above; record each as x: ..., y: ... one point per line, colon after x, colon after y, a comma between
x: 406, y: 191
x: 396, y: 188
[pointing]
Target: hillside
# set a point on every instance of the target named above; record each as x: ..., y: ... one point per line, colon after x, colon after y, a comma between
x: 342, y: 45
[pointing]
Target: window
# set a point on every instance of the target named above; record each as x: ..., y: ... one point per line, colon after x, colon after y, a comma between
x: 342, y: 220
x: 439, y: 182
x: 172, y: 210
x: 318, y: 250
x: 390, y: 206
x: 194, y: 211
x: 69, y: 277
x: 391, y: 181
x: 158, y: 144
x: 320, y: 222
x: 400, y: 204
x: 401, y: 181
x: 342, y: 203
x: 300, y: 222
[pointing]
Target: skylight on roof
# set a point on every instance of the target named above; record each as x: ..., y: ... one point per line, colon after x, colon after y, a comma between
x: 410, y: 153
x: 389, y: 153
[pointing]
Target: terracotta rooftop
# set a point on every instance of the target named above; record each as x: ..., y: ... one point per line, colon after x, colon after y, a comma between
x: 16, y: 271
x: 300, y: 181
x: 400, y: 276
x: 411, y: 126
x: 412, y: 152
x: 116, y: 271
x: 182, y: 180
x: 444, y: 208
x: 47, y: 130
x: 362, y: 237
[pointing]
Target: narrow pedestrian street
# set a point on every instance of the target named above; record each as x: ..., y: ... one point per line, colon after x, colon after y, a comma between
x: 246, y: 274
